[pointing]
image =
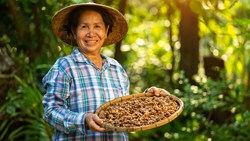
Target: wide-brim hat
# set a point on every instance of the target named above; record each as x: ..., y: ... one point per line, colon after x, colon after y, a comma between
x: 60, y: 19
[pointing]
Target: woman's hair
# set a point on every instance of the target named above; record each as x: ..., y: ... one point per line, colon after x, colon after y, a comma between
x: 74, y: 18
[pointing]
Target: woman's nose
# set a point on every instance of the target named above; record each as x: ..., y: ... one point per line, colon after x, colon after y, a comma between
x: 90, y: 32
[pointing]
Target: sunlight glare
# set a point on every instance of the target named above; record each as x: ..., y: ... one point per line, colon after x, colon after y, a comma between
x: 134, y: 47
x: 59, y: 48
x: 155, y: 61
x: 167, y: 23
x: 140, y: 42
x: 230, y: 50
x: 194, y: 89
x: 233, y: 110
x: 169, y: 66
x: 167, y: 47
x: 167, y: 135
x: 215, y: 52
x: 221, y: 96
x: 221, y: 5
x: 43, y: 8
x: 236, y: 43
x: 108, y: 52
x: 193, y: 114
x: 206, y: 5
x: 177, y: 45
x: 224, y: 57
x: 176, y: 91
x: 125, y: 48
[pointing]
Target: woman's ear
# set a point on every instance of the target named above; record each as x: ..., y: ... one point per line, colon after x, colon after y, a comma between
x: 73, y: 33
x: 107, y: 30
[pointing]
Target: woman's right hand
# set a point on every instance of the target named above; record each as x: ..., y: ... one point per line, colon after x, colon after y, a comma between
x: 156, y: 91
x: 94, y: 122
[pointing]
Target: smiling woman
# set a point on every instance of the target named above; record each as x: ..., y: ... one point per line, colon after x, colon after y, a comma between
x: 86, y: 79
x: 79, y: 83
x: 67, y: 18
x: 90, y: 33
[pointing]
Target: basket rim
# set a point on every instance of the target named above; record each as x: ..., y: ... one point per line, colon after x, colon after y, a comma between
x: 145, y: 127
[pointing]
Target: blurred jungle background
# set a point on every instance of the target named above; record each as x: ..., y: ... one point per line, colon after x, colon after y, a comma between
x: 199, y: 50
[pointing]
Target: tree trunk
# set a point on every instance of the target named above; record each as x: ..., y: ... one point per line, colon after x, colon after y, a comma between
x: 118, y: 52
x: 18, y: 18
x: 213, y: 66
x: 188, y: 32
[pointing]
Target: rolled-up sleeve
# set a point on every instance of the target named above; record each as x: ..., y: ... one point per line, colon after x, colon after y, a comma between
x: 56, y: 110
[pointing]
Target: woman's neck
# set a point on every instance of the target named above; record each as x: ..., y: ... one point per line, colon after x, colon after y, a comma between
x: 95, y: 58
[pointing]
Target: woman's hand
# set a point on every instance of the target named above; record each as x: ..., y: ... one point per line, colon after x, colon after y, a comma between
x: 94, y: 122
x: 156, y: 91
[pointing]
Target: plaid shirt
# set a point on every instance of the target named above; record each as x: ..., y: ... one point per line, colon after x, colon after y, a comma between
x: 75, y: 86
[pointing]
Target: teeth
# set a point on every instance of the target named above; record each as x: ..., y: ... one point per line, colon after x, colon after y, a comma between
x: 91, y: 42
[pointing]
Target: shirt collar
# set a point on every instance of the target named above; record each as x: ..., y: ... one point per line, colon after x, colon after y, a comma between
x: 79, y: 57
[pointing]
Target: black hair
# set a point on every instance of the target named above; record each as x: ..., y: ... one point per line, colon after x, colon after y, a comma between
x: 74, y: 18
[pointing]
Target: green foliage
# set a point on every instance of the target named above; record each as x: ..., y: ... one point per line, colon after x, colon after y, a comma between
x: 224, y: 33
x: 23, y: 111
x: 214, y: 110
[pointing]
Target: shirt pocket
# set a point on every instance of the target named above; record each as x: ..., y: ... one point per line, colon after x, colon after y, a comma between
x: 119, y: 88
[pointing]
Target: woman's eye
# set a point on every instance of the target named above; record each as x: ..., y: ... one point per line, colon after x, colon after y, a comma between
x: 97, y: 26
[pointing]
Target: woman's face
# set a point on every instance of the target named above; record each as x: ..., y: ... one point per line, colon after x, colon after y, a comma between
x: 91, y: 32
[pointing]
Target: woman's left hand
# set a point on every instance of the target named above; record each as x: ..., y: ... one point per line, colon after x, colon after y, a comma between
x: 94, y: 122
x: 156, y: 91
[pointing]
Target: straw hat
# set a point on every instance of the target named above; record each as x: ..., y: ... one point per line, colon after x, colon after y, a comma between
x: 60, y: 19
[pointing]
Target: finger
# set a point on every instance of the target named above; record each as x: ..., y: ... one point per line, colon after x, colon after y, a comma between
x: 93, y: 126
x: 154, y: 90
x: 96, y: 128
x: 97, y: 120
x: 157, y: 92
x: 164, y: 92
x: 95, y: 123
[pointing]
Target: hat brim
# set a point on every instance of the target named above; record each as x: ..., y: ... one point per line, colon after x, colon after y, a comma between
x: 60, y: 19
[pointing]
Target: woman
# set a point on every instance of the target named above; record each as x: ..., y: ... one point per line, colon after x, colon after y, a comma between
x: 79, y: 83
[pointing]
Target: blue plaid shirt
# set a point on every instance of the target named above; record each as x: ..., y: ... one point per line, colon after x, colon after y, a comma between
x: 75, y: 86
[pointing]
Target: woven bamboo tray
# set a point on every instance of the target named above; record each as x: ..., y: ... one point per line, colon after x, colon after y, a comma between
x: 144, y: 127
